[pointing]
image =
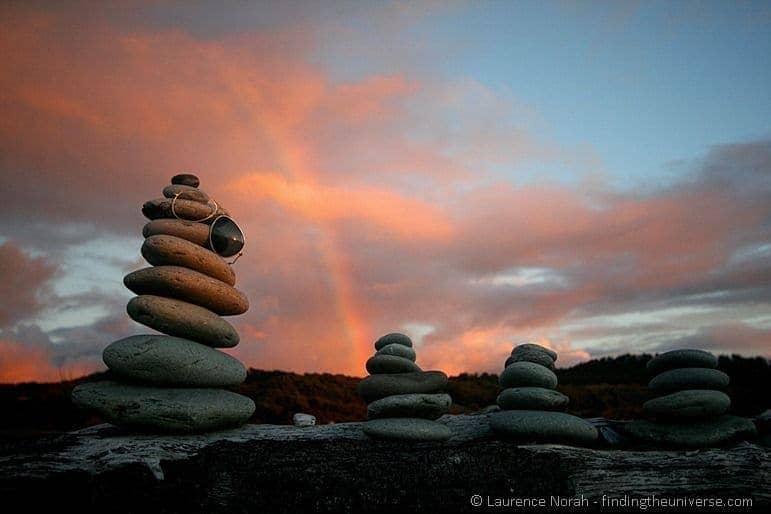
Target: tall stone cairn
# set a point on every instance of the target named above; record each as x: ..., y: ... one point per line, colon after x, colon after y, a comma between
x: 530, y: 404
x: 690, y: 409
x: 403, y: 401
x: 175, y: 382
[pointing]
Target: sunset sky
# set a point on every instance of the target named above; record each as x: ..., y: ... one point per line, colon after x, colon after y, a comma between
x: 593, y: 176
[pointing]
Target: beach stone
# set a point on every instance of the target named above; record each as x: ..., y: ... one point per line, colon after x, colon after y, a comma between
x: 190, y: 286
x: 175, y: 251
x: 185, y: 209
x: 172, y: 361
x: 156, y: 409
x: 182, y: 319
x: 688, y: 404
x: 424, y: 406
x: 406, y: 429
x: 698, y: 434
x: 375, y: 387
x: 186, y: 193
x: 689, y: 378
x: 378, y: 364
x: 684, y: 358
x: 393, y: 338
x: 527, y: 374
x: 530, y: 355
x: 542, y: 427
x: 197, y: 233
x: 186, y: 179
x: 398, y: 350
x: 532, y: 398
x: 536, y: 347
x: 303, y: 420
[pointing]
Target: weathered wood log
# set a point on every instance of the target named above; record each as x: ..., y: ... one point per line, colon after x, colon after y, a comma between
x: 335, y: 468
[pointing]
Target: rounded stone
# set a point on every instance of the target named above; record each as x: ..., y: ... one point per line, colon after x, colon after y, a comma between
x: 530, y: 355
x: 184, y: 209
x: 684, y: 358
x: 190, y: 286
x: 532, y: 398
x: 542, y: 427
x: 393, y: 338
x: 689, y: 378
x: 375, y: 387
x: 182, y: 319
x: 175, y: 251
x: 527, y: 374
x: 536, y: 347
x: 424, y: 406
x: 156, y: 409
x: 688, y: 404
x: 172, y: 361
x: 406, y: 429
x: 185, y: 193
x: 398, y: 350
x: 698, y: 434
x: 379, y: 364
x: 186, y: 179
x: 197, y: 233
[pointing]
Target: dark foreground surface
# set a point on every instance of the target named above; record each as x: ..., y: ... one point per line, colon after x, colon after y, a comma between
x: 335, y: 468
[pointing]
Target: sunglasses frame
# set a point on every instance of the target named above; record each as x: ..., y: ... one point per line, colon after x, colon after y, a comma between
x: 214, y: 209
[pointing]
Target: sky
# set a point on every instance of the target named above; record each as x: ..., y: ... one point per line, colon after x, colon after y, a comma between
x: 592, y: 176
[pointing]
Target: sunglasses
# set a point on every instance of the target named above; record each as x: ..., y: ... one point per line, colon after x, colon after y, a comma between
x: 225, y: 236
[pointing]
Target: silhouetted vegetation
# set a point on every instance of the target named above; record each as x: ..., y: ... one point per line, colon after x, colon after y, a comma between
x: 611, y: 387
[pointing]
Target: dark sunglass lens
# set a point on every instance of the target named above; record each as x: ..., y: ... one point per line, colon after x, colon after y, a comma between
x: 226, y: 238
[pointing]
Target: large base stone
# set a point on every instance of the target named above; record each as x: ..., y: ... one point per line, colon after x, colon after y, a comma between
x: 542, y: 427
x: 692, y: 435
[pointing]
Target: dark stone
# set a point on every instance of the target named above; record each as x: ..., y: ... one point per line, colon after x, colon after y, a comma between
x: 692, y: 435
x: 186, y: 179
x: 399, y: 350
x: 186, y: 193
x: 375, y: 387
x: 542, y: 427
x: 689, y: 378
x: 689, y: 404
x: 532, y: 398
x: 530, y: 355
x: 536, y: 347
x: 393, y: 338
x: 379, y: 364
x: 684, y: 358
x: 425, y: 406
x: 185, y: 209
x: 527, y: 374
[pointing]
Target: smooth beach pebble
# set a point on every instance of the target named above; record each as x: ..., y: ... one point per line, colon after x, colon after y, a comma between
x: 681, y: 359
x: 689, y: 404
x: 192, y: 231
x: 689, y: 378
x: 156, y: 409
x: 175, y: 251
x: 378, y: 364
x: 532, y: 398
x: 375, y: 387
x: 406, y: 429
x: 537, y: 347
x: 698, y: 434
x: 530, y: 355
x: 527, y: 374
x: 393, y: 338
x: 190, y: 286
x: 425, y: 406
x: 185, y: 193
x: 184, y: 209
x: 182, y: 319
x: 542, y: 427
x: 186, y: 179
x: 398, y: 350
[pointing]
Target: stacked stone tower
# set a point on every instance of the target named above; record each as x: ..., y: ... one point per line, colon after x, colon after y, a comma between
x: 174, y: 382
x: 691, y: 406
x: 403, y: 400
x: 530, y: 404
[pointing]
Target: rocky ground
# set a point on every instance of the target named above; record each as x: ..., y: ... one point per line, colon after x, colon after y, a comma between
x: 336, y: 468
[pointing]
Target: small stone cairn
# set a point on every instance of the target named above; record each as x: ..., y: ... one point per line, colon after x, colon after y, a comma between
x: 174, y: 382
x: 690, y: 410
x: 402, y: 400
x: 530, y: 404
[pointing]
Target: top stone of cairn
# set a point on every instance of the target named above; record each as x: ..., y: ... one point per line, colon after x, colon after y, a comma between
x: 185, y: 179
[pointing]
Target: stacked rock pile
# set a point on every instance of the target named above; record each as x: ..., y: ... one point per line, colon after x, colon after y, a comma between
x: 530, y: 404
x: 402, y: 400
x: 173, y: 382
x: 691, y: 408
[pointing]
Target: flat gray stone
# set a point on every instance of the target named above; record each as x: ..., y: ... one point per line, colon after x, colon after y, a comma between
x: 175, y: 251
x: 406, y: 429
x: 172, y: 361
x: 530, y: 355
x: 688, y: 404
x: 399, y: 350
x: 536, y: 347
x: 689, y: 378
x: 197, y: 233
x: 186, y: 179
x: 527, y: 374
x: 185, y: 192
x: 185, y: 209
x: 189, y: 286
x: 699, y: 434
x: 425, y: 406
x: 379, y: 364
x: 155, y: 409
x: 685, y: 358
x: 182, y: 319
x: 532, y: 398
x: 375, y: 387
x: 542, y: 427
x: 393, y: 338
